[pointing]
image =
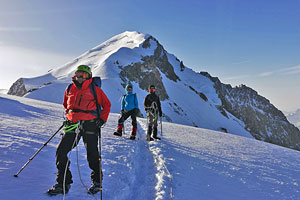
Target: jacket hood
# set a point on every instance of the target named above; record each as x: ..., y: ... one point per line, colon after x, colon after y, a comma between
x: 126, y: 92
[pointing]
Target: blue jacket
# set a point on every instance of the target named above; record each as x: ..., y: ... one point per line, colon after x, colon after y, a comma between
x: 129, y: 101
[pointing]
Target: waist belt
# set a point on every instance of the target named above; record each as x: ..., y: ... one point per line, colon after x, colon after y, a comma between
x: 93, y: 112
x: 84, y: 111
x: 93, y: 120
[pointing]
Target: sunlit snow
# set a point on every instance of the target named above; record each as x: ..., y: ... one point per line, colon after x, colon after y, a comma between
x: 188, y: 163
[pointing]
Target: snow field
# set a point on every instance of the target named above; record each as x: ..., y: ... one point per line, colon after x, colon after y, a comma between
x: 188, y: 163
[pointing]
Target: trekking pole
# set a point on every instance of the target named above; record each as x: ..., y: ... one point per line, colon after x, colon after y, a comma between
x: 30, y: 159
x: 161, y: 132
x: 123, y: 125
x: 100, y: 161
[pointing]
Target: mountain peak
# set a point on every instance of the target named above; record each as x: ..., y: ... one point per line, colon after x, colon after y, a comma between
x: 129, y: 39
x: 187, y: 97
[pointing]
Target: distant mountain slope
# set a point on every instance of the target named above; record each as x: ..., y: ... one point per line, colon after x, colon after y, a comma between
x: 187, y: 163
x: 294, y: 117
x: 188, y: 97
x: 262, y: 119
x: 3, y: 91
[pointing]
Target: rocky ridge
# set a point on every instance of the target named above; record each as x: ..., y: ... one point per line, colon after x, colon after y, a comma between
x: 262, y: 119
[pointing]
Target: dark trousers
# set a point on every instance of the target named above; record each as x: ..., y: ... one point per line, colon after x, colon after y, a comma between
x: 150, y: 130
x: 125, y: 115
x: 89, y: 133
x: 152, y: 123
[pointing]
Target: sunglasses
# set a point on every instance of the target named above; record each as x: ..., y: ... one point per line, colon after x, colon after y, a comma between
x: 81, y: 74
x: 151, y: 90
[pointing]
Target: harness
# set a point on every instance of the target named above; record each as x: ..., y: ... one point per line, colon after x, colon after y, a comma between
x: 153, y: 111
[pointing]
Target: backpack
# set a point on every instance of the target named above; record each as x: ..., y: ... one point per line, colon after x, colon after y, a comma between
x: 96, y: 81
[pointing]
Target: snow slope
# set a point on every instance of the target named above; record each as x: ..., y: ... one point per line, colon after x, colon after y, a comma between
x: 189, y: 163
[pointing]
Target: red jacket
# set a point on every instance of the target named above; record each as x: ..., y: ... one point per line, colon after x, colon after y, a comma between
x: 83, y: 99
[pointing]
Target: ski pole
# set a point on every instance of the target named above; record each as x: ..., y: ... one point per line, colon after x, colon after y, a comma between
x: 100, y: 163
x: 30, y: 159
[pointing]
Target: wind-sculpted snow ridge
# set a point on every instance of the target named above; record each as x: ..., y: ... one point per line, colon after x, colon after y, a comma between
x: 188, y: 163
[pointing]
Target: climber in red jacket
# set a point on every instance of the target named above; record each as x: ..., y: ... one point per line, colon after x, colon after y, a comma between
x: 81, y: 108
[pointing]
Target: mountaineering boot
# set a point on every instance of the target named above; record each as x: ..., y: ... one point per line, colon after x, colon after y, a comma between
x: 149, y: 138
x: 133, y: 133
x: 58, y: 189
x: 119, y: 130
x: 155, y: 133
x: 95, y: 187
x: 157, y: 138
x: 118, y: 133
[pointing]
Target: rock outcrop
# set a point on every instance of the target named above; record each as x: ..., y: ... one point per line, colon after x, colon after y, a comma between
x: 262, y: 119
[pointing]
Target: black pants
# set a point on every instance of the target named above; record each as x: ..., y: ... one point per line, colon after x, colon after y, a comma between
x: 152, y: 123
x: 89, y: 133
x: 125, y: 115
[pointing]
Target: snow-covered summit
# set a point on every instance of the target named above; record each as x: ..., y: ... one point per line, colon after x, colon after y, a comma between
x: 188, y: 97
x: 99, y: 56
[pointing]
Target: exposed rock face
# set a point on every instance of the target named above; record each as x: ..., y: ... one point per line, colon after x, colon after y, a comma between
x: 148, y: 72
x: 18, y: 88
x: 262, y: 119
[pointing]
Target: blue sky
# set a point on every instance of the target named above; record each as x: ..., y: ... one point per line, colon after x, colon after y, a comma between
x: 256, y: 43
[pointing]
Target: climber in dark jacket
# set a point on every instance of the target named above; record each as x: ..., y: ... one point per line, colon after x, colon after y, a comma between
x: 153, y: 109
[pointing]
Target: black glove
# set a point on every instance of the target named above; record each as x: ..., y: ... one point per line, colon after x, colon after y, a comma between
x: 100, y: 122
x: 68, y: 122
x: 160, y: 114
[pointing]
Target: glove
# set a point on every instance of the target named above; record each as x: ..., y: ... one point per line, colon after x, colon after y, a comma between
x: 100, y: 122
x: 160, y: 114
x: 68, y: 122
